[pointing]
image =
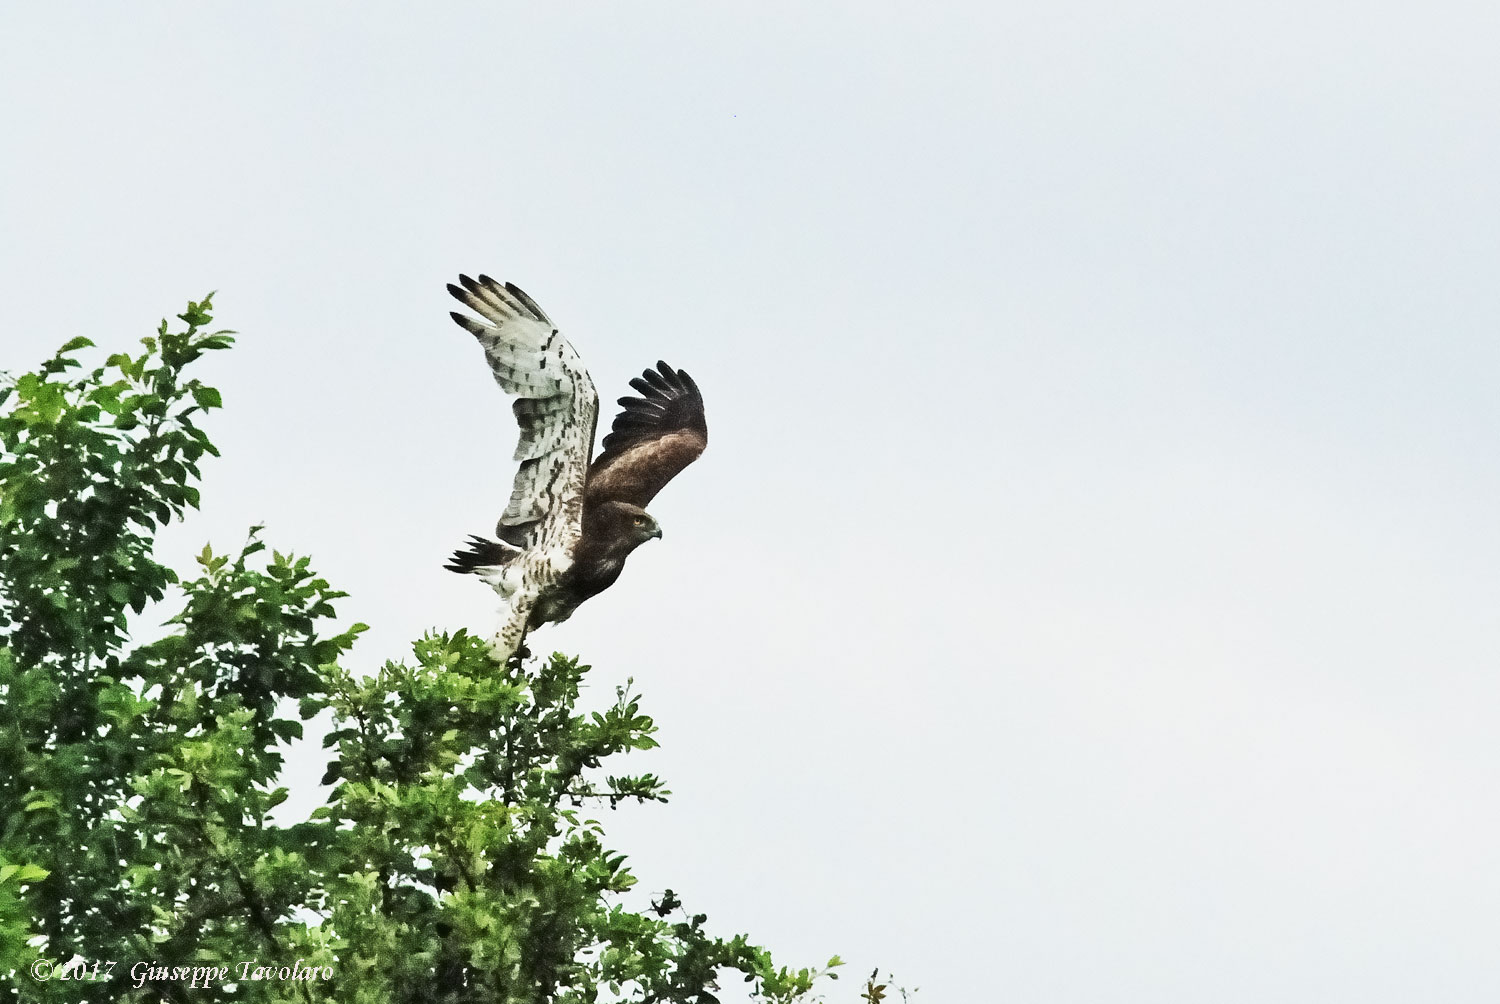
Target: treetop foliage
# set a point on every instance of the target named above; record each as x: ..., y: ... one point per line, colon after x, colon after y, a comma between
x: 457, y: 857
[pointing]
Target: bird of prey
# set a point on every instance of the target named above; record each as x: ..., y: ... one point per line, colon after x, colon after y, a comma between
x: 573, y: 518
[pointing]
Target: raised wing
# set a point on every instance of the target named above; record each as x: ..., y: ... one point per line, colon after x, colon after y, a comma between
x: 654, y: 437
x: 556, y: 406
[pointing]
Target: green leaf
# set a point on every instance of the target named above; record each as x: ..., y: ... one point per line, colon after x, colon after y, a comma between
x: 32, y: 873
x: 207, y: 397
x: 196, y: 314
x: 40, y: 800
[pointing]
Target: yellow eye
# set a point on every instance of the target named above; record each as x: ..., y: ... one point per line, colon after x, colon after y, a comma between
x: 640, y: 521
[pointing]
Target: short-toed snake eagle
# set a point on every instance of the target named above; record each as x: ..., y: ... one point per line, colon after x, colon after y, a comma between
x: 573, y: 518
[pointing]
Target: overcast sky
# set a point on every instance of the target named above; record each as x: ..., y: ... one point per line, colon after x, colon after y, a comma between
x: 1089, y: 593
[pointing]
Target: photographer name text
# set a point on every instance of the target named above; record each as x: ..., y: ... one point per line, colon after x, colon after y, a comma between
x: 142, y: 973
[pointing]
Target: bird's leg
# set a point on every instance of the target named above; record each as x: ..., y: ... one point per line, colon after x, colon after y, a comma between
x: 508, y: 640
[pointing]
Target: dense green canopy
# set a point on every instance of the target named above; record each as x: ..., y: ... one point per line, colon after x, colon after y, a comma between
x: 456, y: 858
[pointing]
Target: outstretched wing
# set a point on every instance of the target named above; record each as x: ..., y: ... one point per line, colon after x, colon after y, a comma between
x: 556, y: 406
x: 654, y: 437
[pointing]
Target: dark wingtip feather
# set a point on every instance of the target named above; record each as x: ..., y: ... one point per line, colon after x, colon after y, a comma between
x: 475, y: 288
x: 470, y: 325
x: 669, y: 400
x: 657, y: 381
x: 681, y: 384
x: 464, y: 290
x: 527, y: 302
x: 641, y: 404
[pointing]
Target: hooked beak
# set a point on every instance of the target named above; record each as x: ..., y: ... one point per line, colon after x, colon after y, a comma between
x: 656, y: 533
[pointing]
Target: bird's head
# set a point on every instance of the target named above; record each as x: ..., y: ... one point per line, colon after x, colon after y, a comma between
x: 628, y: 523
x: 643, y: 527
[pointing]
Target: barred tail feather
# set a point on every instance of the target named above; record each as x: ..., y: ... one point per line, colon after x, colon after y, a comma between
x: 481, y: 553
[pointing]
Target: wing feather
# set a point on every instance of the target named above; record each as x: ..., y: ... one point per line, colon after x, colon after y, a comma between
x: 653, y: 438
x: 556, y: 408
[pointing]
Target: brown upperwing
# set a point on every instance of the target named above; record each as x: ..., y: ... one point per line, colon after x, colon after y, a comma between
x: 653, y: 438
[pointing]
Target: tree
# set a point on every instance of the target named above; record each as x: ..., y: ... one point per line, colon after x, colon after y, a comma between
x: 455, y: 859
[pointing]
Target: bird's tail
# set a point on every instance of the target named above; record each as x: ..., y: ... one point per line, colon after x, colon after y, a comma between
x: 481, y: 553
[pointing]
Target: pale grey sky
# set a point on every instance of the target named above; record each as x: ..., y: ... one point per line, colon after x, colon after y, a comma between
x: 1090, y: 590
